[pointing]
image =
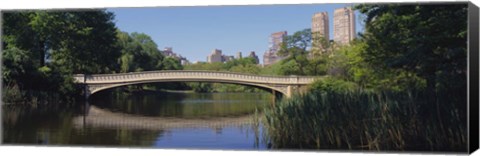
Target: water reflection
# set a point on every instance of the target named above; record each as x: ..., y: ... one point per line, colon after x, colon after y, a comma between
x: 184, y: 105
x: 164, y: 120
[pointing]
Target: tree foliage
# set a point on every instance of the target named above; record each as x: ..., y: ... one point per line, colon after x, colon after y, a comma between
x: 300, y: 57
x: 44, y: 48
x: 428, y: 40
x: 140, y: 53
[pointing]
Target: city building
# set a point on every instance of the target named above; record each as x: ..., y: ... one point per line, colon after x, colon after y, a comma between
x: 184, y: 61
x: 239, y: 55
x: 269, y: 58
x: 168, y: 52
x: 216, y: 56
x: 320, y: 29
x: 228, y: 58
x: 274, y: 44
x: 253, y: 55
x: 343, y: 25
x: 320, y: 25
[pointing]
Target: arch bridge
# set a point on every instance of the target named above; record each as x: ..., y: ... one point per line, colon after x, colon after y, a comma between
x: 286, y: 85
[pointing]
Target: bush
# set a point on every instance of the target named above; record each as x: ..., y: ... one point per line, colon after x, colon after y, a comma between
x: 330, y: 84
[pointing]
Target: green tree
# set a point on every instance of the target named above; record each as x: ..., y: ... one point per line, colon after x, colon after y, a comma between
x: 84, y: 42
x: 140, y: 53
x: 429, y: 40
x: 170, y: 63
x: 294, y: 47
x: 44, y: 48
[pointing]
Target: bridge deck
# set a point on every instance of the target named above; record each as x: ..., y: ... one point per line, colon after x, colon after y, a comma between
x: 190, y: 75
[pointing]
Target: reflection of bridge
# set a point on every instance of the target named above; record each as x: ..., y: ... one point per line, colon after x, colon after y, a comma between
x: 287, y: 85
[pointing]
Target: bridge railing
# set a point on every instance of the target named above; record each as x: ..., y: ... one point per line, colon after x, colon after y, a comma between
x: 191, y: 75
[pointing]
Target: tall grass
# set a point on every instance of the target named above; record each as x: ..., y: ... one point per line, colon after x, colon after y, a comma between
x: 361, y: 120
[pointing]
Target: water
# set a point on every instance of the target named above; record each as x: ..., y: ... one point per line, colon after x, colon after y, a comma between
x: 146, y: 119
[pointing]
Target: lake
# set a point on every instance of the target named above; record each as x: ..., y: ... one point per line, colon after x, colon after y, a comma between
x: 149, y: 119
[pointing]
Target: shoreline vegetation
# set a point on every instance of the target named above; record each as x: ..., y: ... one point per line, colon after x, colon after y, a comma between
x: 399, y: 86
x: 361, y: 120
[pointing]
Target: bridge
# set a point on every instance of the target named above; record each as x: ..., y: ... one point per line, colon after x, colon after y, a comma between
x: 286, y: 85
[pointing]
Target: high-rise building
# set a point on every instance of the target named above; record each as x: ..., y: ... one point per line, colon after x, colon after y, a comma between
x: 254, y: 56
x: 275, y: 42
x: 239, y: 55
x: 343, y: 25
x: 269, y: 58
x: 320, y: 25
x: 320, y: 29
x: 216, y: 56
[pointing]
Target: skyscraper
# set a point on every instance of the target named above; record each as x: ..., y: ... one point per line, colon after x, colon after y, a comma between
x: 320, y: 28
x: 320, y: 25
x: 274, y: 44
x: 343, y: 25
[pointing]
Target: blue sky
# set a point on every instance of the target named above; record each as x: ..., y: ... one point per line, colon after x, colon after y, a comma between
x: 194, y: 32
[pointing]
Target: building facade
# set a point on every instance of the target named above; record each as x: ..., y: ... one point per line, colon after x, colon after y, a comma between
x: 320, y: 31
x: 320, y: 25
x: 168, y: 52
x: 215, y: 56
x: 239, y: 55
x: 343, y: 25
x: 275, y: 41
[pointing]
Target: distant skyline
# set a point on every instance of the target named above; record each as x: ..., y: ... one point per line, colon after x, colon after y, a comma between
x: 194, y: 32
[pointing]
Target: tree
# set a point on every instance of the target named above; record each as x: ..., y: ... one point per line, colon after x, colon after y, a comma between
x: 294, y: 47
x: 82, y: 41
x: 44, y: 48
x: 140, y: 53
x: 18, y: 34
x: 170, y: 63
x: 429, y: 40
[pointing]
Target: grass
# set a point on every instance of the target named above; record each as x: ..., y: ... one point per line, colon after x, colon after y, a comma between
x: 360, y: 120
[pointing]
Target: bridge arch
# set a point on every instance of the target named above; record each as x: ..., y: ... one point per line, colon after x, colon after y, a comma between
x: 95, y: 89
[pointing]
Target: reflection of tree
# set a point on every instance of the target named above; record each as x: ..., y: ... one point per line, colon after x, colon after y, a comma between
x: 148, y: 103
x: 124, y: 137
x: 153, y: 103
x: 55, y: 127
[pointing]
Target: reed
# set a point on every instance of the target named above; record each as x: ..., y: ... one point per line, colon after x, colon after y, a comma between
x: 360, y: 120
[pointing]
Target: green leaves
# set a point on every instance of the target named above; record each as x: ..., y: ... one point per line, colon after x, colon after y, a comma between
x: 43, y: 49
x: 415, y: 38
x: 140, y: 53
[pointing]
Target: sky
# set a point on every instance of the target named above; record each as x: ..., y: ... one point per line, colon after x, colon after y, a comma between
x: 195, y: 31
